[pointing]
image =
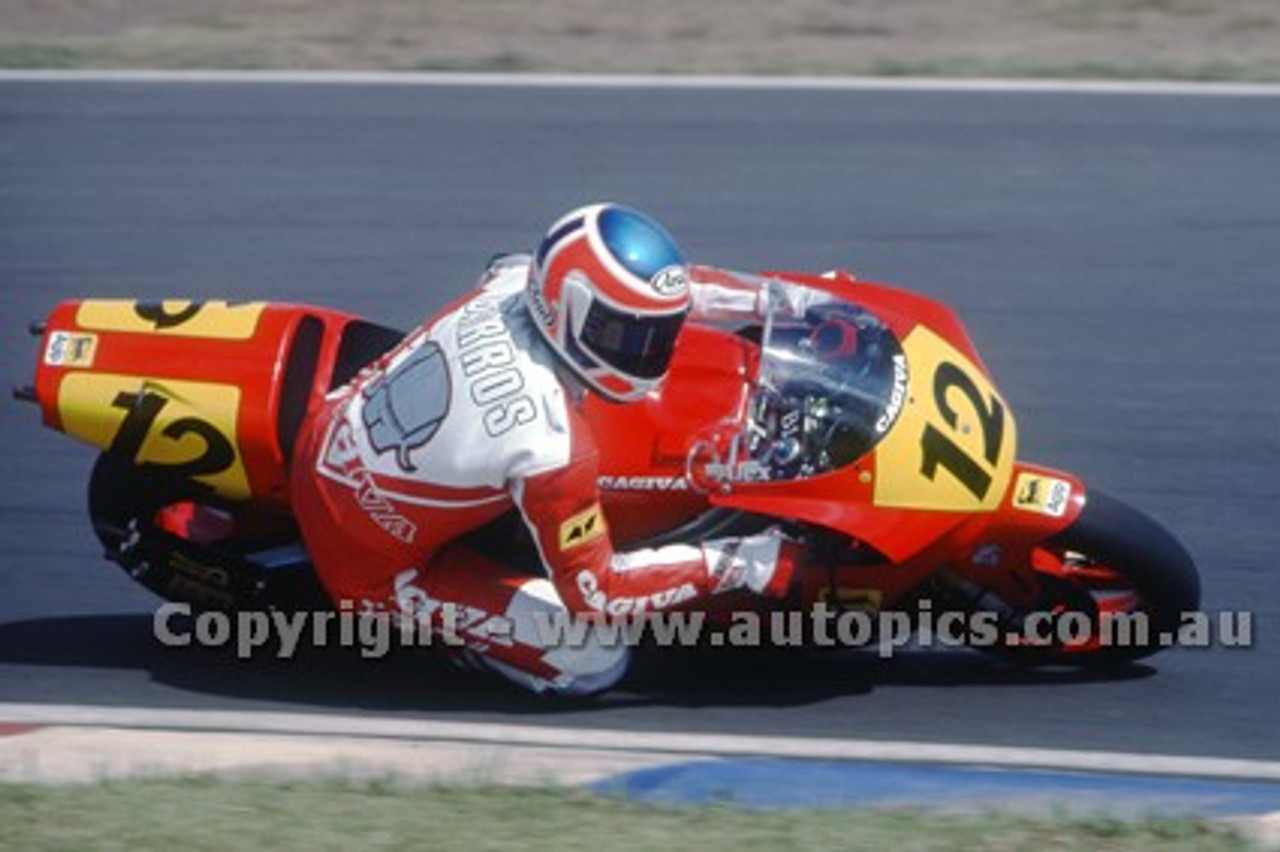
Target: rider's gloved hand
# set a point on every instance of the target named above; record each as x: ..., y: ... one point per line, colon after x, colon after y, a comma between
x: 763, y: 563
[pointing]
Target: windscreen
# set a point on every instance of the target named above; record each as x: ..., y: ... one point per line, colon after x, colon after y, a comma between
x: 831, y: 384
x: 832, y: 380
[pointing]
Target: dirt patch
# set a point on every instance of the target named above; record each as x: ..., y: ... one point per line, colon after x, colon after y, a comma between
x: 1194, y: 39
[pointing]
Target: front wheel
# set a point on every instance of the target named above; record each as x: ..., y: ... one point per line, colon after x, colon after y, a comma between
x: 1122, y: 579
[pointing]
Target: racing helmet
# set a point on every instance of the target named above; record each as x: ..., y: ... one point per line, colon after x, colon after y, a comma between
x: 608, y: 289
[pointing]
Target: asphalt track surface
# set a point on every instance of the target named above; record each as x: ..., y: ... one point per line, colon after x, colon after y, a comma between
x: 1114, y: 256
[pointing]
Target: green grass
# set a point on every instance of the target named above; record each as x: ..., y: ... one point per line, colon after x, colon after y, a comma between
x: 43, y: 56
x: 200, y: 813
x: 977, y: 69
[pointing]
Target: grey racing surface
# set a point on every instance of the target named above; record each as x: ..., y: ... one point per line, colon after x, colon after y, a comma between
x: 1115, y: 257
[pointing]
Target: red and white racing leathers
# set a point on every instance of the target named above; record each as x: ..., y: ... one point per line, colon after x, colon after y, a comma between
x: 465, y: 419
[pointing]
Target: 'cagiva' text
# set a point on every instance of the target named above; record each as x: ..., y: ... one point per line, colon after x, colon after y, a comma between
x: 589, y: 586
x: 642, y: 483
x: 897, y: 396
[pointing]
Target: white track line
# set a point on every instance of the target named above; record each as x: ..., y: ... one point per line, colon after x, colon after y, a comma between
x: 675, y: 744
x: 652, y: 81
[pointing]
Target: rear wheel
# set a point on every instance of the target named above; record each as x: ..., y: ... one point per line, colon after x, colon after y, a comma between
x: 1115, y: 586
x: 138, y: 515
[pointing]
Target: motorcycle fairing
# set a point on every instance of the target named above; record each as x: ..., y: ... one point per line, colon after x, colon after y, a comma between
x: 938, y: 442
x: 207, y: 391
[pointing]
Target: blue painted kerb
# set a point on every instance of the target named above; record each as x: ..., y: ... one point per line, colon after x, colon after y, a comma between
x: 778, y: 783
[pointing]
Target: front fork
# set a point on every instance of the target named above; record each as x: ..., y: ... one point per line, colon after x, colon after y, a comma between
x: 998, y: 566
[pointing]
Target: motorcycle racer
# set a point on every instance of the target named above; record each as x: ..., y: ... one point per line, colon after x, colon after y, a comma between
x: 477, y: 414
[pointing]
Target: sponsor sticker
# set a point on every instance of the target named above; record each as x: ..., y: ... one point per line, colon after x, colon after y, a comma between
x: 582, y: 528
x: 589, y: 586
x: 1043, y: 495
x: 897, y: 397
x: 670, y: 281
x: 642, y: 483
x: 68, y: 349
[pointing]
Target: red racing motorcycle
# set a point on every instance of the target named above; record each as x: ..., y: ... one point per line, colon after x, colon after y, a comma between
x: 858, y: 415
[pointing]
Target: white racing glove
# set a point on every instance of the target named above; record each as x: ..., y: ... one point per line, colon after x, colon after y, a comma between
x: 763, y: 563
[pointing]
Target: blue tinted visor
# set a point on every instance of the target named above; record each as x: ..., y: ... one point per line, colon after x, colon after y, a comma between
x: 641, y: 245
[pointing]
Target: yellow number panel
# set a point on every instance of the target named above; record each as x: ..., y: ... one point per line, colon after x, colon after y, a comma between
x: 176, y: 317
x: 953, y: 446
x: 186, y: 427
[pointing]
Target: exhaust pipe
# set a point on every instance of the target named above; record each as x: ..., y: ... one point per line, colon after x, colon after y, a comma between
x: 27, y: 393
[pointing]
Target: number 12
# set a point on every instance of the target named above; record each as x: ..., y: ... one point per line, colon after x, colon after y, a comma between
x: 939, y: 450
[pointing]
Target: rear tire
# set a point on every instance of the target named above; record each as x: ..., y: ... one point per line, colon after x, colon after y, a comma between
x: 123, y: 502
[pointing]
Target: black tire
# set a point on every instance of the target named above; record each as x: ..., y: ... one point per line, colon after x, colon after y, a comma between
x: 123, y: 500
x: 1149, y: 559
